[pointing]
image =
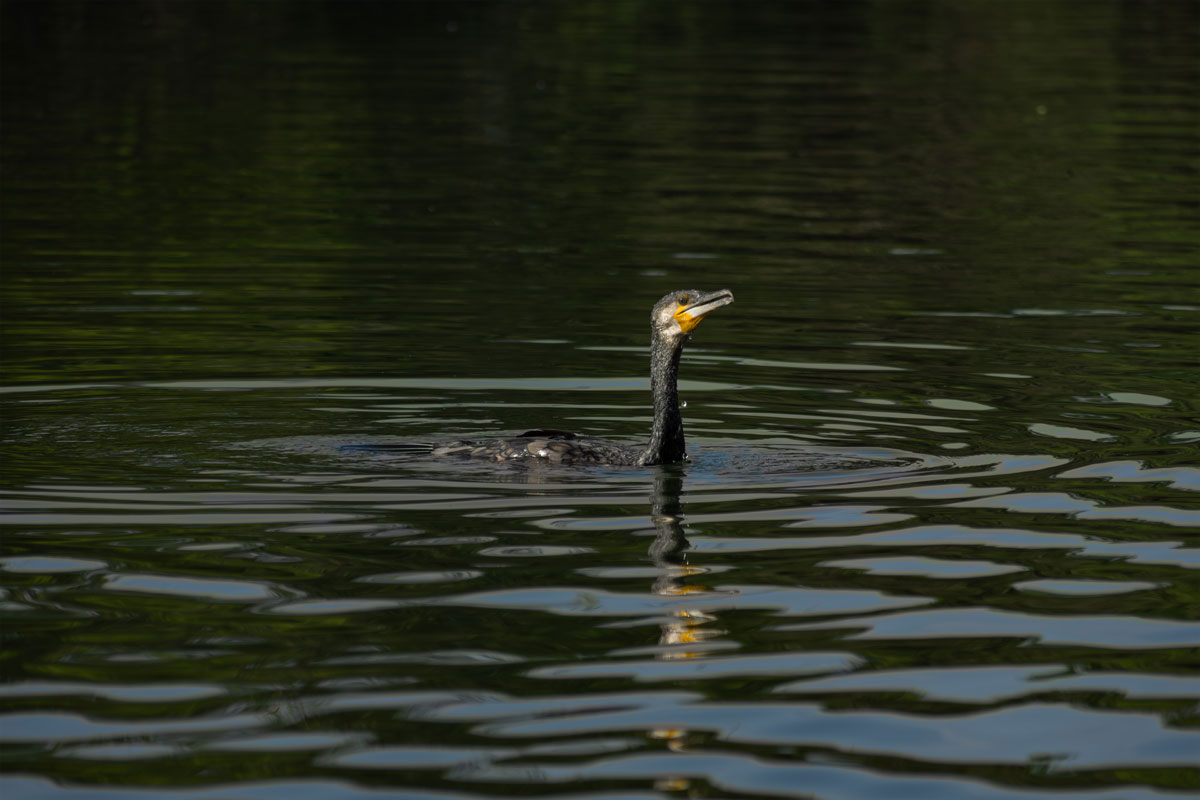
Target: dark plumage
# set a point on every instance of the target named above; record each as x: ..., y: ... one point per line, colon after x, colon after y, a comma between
x: 672, y: 320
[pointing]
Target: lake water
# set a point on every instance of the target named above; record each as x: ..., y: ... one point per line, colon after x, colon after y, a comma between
x: 937, y: 536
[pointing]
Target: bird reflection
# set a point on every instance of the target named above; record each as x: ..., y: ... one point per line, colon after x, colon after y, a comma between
x: 684, y: 626
x: 666, y: 512
x: 667, y: 555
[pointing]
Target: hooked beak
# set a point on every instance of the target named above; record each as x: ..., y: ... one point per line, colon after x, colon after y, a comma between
x: 689, y: 315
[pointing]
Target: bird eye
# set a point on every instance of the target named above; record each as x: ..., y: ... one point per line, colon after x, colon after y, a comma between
x: 683, y: 299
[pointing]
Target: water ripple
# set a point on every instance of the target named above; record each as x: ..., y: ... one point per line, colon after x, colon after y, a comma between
x: 1088, y: 631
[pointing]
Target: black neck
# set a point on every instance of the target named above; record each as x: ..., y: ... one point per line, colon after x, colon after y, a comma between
x: 666, y: 437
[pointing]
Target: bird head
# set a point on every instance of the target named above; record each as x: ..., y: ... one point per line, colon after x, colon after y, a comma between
x: 678, y: 314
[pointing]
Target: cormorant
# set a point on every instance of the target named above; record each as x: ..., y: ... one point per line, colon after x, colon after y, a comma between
x: 672, y: 321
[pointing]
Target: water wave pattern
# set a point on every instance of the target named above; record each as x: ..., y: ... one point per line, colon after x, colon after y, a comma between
x: 937, y: 537
x: 782, y: 616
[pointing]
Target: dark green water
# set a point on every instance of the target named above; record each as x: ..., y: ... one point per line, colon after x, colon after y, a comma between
x: 937, y: 537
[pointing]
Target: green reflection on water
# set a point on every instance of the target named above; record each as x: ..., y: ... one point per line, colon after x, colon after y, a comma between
x: 226, y: 223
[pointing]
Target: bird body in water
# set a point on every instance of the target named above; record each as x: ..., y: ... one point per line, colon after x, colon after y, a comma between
x: 672, y: 321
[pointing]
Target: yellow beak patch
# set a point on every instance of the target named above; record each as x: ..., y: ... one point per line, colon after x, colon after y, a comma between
x: 688, y: 314
x: 687, y: 321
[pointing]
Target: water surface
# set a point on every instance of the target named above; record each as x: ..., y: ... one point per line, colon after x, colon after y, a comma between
x: 937, y: 533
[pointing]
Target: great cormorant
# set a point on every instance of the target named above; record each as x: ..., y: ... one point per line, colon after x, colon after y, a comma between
x: 672, y: 321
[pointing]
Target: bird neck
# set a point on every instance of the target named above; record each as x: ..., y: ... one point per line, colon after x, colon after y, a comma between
x: 666, y: 436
